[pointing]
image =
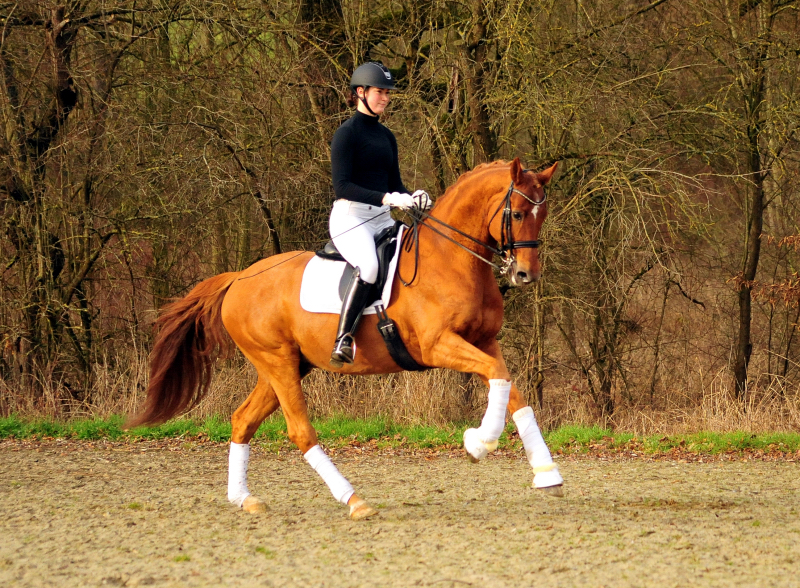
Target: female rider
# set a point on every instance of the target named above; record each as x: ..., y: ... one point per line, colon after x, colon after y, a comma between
x: 366, y: 181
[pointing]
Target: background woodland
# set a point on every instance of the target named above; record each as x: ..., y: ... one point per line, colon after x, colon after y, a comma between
x: 148, y: 145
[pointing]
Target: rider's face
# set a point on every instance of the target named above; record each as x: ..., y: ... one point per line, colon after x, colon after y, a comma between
x: 377, y: 98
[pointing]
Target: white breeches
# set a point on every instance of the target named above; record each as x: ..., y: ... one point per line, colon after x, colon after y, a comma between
x: 353, y: 226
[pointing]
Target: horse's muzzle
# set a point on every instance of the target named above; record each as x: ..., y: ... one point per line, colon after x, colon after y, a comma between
x: 519, y: 276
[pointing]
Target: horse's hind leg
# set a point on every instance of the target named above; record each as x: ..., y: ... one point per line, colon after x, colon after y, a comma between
x: 245, y: 422
x: 285, y: 376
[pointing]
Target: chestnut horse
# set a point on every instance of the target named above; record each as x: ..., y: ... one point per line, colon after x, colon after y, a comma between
x: 448, y: 316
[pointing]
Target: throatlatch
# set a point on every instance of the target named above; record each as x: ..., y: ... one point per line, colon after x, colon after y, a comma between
x: 507, y: 243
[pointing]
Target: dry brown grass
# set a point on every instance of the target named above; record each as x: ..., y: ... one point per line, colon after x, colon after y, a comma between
x: 436, y: 397
x: 767, y: 408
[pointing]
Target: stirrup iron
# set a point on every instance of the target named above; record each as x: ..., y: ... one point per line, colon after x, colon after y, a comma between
x: 344, y: 351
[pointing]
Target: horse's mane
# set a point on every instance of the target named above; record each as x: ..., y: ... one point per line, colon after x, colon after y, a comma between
x: 468, y: 175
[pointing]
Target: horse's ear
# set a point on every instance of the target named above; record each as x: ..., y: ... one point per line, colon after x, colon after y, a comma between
x: 547, y: 174
x: 516, y: 171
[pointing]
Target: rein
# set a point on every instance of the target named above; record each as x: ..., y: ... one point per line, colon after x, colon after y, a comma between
x: 507, y: 243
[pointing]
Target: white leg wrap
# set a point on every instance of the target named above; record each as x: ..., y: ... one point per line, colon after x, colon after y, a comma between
x: 238, y: 460
x: 546, y: 472
x: 479, y: 442
x: 322, y: 464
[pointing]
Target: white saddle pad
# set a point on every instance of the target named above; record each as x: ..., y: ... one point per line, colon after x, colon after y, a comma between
x: 319, y: 290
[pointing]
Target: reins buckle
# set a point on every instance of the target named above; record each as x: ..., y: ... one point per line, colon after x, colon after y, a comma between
x: 507, y: 263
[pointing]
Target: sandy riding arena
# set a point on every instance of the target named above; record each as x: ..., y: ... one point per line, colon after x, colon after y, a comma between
x: 79, y: 514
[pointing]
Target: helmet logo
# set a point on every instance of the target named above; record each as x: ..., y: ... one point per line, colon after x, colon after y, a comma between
x: 387, y: 74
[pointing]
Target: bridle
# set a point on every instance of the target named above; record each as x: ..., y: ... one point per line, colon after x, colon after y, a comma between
x: 507, y: 242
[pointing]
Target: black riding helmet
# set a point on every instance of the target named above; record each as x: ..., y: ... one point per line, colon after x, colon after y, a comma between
x: 371, y: 75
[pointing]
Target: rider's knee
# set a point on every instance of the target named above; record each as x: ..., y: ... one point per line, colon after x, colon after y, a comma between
x: 369, y: 271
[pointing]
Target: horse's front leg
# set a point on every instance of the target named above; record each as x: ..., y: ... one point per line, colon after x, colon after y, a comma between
x: 546, y: 475
x: 487, y: 362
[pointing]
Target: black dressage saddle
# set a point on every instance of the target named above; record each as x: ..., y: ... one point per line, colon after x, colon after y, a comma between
x: 385, y: 245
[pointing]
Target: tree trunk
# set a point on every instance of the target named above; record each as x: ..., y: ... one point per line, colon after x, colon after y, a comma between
x: 477, y: 66
x: 753, y: 89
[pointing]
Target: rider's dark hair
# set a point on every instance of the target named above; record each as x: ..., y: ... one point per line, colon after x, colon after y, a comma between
x: 352, y: 99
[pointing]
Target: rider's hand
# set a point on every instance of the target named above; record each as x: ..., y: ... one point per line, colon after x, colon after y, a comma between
x: 399, y: 200
x: 421, y: 200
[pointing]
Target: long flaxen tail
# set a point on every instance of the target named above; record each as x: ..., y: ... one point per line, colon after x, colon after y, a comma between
x: 190, y: 338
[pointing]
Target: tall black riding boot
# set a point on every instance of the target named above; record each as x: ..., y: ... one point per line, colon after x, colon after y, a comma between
x: 355, y: 299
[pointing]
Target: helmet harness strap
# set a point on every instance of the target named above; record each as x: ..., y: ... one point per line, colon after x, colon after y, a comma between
x: 364, y: 99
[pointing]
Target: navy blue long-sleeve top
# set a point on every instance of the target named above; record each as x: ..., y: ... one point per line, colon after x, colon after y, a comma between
x: 364, y: 161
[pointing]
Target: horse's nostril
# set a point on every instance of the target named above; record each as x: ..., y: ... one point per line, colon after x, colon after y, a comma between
x: 522, y: 276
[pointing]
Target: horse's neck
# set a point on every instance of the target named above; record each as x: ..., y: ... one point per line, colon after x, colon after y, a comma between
x: 464, y: 284
x: 470, y: 210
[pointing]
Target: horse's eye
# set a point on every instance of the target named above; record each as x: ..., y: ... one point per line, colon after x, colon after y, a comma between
x: 517, y: 215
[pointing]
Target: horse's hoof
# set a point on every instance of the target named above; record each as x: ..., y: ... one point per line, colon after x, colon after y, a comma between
x: 547, y: 476
x: 554, y: 491
x: 361, y: 510
x: 254, y: 505
x: 474, y: 446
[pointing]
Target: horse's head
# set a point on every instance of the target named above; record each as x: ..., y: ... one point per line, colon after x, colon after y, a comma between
x: 518, y: 220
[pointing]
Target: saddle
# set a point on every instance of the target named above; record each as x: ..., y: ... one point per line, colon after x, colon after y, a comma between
x: 385, y: 247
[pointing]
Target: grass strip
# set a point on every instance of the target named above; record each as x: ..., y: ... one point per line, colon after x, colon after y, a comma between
x: 341, y: 431
x: 571, y: 439
x: 331, y: 430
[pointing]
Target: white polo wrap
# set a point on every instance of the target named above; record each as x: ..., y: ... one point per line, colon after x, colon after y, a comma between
x: 238, y: 460
x: 479, y: 442
x: 322, y: 464
x: 494, y: 421
x: 545, y: 470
